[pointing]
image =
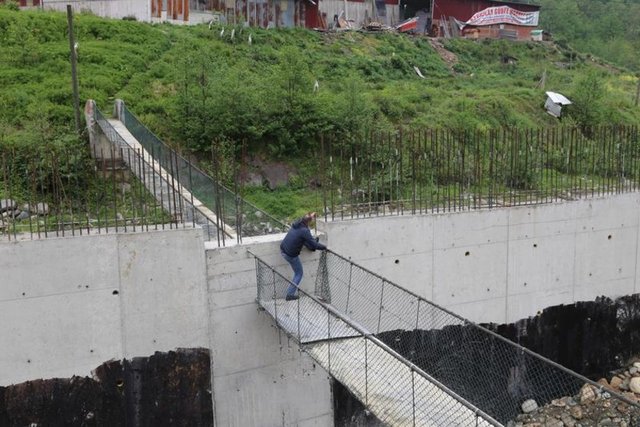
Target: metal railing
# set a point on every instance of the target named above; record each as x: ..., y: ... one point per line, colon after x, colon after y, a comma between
x: 64, y: 192
x: 245, y: 218
x: 449, y: 170
x: 396, y: 390
x: 72, y: 191
x: 162, y: 181
x: 495, y: 374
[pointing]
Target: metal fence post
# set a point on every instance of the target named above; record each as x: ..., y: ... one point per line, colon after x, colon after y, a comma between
x: 329, y: 340
x: 366, y: 372
x: 275, y: 305
x: 346, y: 309
x: 299, y: 334
x: 413, y: 395
x: 380, y: 310
x: 258, y: 284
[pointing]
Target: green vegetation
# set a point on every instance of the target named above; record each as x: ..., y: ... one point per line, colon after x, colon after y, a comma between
x: 608, y: 29
x: 199, y: 86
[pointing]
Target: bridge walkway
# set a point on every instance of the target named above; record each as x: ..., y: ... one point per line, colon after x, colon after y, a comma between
x: 145, y: 163
x: 398, y: 392
x: 184, y: 191
x: 412, y: 362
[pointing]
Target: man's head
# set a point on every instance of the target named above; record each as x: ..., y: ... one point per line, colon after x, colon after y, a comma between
x: 309, y: 218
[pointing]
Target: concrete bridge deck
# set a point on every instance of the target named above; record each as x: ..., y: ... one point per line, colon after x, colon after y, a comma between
x: 160, y: 182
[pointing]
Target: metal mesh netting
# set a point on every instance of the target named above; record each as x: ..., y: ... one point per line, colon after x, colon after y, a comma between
x: 244, y: 217
x: 395, y: 390
x: 160, y: 182
x: 493, y: 373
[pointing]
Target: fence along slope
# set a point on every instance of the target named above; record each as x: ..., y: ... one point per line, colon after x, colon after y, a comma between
x: 412, y: 171
x: 398, y: 392
x: 64, y: 194
x: 493, y: 373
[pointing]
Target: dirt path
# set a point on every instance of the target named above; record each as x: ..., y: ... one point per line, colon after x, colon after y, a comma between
x: 448, y: 57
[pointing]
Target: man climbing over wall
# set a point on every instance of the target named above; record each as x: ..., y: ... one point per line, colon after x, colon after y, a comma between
x: 291, y: 245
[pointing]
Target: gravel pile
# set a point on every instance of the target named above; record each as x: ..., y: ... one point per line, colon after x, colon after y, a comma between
x: 591, y: 406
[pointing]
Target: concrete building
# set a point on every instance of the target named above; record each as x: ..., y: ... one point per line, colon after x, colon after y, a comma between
x: 255, y: 13
x: 473, y: 18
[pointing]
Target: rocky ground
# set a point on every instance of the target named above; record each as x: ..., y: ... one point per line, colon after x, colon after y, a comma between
x: 591, y: 406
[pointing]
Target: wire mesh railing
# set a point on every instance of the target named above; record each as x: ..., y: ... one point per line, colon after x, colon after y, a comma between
x: 493, y: 373
x: 245, y: 218
x: 162, y: 182
x: 447, y: 170
x: 396, y: 390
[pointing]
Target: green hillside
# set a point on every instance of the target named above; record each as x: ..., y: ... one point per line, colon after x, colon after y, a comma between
x: 196, y: 85
x: 609, y: 29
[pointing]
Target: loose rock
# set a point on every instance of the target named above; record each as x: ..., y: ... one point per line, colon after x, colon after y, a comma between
x: 615, y: 382
x: 576, y: 412
x: 529, y: 405
x: 587, y: 394
x: 7, y: 205
x: 634, y: 384
x: 42, y: 208
x: 23, y: 215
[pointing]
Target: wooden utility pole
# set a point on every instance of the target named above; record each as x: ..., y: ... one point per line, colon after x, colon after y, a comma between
x: 74, y: 72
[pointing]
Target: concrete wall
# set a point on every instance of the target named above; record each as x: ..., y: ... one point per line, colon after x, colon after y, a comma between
x: 504, y: 264
x: 67, y: 305
x: 108, y: 8
x: 260, y: 378
x: 357, y: 11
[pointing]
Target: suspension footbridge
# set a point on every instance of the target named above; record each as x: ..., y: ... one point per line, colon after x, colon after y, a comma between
x: 450, y: 372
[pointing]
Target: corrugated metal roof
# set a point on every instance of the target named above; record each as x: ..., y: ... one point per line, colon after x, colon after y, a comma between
x: 557, y: 98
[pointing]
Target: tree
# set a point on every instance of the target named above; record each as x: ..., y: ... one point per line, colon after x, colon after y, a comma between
x: 588, y: 101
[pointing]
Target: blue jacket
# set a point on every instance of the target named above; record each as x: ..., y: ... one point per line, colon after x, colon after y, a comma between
x: 299, y: 235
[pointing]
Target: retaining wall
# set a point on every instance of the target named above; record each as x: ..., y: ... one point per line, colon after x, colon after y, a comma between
x: 505, y: 264
x: 69, y: 304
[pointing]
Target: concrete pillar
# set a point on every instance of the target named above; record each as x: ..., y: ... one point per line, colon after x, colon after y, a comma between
x: 107, y: 156
x: 118, y: 110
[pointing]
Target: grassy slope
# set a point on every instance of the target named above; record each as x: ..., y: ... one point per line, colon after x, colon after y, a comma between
x: 137, y: 62
x: 140, y: 63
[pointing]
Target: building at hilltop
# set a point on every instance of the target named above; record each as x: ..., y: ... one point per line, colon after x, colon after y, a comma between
x: 472, y: 18
x: 255, y: 13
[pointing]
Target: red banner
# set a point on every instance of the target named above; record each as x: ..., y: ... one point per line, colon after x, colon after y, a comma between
x: 504, y: 15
